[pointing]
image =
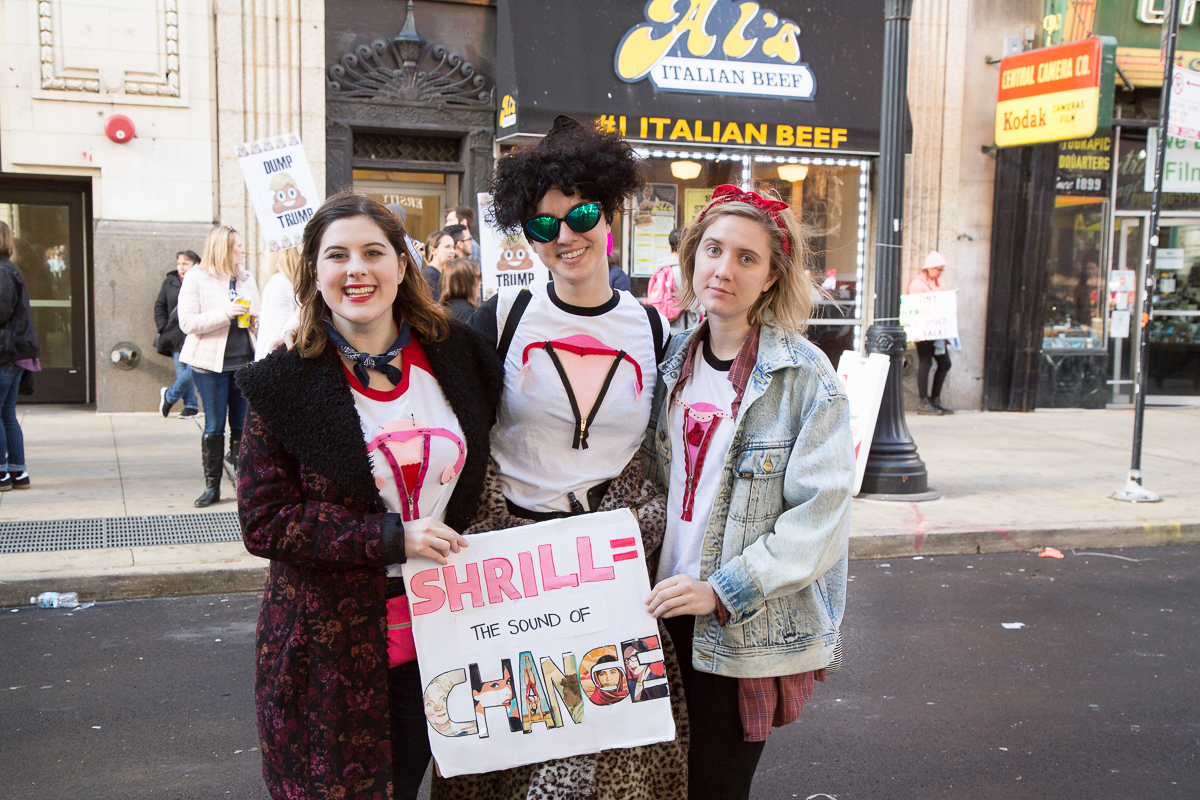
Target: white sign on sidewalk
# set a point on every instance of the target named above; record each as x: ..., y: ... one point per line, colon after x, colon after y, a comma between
x: 929, y: 315
x: 534, y: 643
x: 281, y: 188
x: 508, y: 260
x: 1184, y: 122
x: 864, y: 378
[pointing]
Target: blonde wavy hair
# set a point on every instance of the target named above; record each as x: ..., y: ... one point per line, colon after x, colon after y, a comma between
x: 790, y: 297
x: 286, y: 262
x: 218, y: 252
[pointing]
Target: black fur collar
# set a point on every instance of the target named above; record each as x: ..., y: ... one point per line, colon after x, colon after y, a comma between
x: 308, y: 405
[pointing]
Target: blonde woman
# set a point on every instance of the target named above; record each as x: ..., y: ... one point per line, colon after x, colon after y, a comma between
x: 750, y: 438
x: 280, y: 271
x: 218, y: 310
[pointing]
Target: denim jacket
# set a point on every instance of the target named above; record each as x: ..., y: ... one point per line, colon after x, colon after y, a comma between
x: 775, y: 550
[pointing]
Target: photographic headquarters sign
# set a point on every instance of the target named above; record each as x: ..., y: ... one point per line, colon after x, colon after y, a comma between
x: 1056, y: 93
x: 534, y: 643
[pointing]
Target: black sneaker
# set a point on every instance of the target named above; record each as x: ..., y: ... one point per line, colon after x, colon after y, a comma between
x: 20, y: 481
x: 6, y: 482
x: 936, y: 403
x: 928, y: 409
x: 164, y: 406
x: 188, y: 413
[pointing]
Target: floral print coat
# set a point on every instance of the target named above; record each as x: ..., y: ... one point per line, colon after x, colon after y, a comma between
x: 307, y: 501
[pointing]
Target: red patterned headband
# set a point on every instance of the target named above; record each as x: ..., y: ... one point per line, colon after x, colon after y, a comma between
x: 726, y: 193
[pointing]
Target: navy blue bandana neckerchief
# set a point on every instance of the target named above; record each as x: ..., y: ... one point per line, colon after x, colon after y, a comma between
x: 363, y: 362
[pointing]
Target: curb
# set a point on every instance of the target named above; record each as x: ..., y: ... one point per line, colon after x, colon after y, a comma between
x: 250, y: 575
x: 1015, y: 540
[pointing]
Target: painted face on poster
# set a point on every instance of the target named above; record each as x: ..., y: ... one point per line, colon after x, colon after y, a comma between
x: 534, y: 644
x: 281, y: 189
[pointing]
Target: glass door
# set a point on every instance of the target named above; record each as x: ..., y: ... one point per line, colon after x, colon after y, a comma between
x: 1173, y: 331
x: 48, y: 234
x: 425, y: 196
x: 1124, y: 305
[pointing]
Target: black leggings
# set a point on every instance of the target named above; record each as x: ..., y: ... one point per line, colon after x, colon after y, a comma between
x: 925, y: 362
x: 721, y: 763
x: 410, y: 734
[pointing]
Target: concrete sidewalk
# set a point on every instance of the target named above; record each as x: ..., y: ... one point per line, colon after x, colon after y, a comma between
x: 1009, y: 482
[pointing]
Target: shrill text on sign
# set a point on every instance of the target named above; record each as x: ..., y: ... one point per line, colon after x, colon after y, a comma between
x: 534, y: 643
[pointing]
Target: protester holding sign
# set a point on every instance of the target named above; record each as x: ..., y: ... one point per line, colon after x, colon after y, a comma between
x: 929, y: 280
x: 218, y: 310
x: 365, y: 444
x: 580, y: 366
x: 751, y: 439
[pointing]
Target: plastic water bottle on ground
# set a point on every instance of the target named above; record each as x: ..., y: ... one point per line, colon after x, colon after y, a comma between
x: 55, y: 600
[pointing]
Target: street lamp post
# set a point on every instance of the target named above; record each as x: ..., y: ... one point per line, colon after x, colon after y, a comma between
x: 893, y: 468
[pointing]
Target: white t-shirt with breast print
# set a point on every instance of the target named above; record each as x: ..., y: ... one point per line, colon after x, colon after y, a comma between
x: 701, y: 426
x: 414, y: 441
x: 578, y: 386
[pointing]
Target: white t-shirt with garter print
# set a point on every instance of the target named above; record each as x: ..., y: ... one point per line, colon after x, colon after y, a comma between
x: 537, y: 442
x: 701, y: 428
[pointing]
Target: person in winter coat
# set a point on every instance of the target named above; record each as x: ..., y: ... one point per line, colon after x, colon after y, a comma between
x: 19, y: 352
x: 930, y: 280
x: 750, y: 438
x: 170, y: 338
x: 218, y: 310
x: 337, y: 689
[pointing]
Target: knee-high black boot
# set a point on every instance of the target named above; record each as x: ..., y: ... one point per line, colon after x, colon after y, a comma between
x: 231, y: 459
x: 211, y: 450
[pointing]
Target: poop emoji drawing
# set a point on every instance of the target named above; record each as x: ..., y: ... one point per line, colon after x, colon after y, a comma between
x: 284, y: 194
x: 514, y: 253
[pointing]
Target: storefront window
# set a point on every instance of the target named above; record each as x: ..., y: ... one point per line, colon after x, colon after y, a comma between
x: 1074, y: 292
x: 425, y: 196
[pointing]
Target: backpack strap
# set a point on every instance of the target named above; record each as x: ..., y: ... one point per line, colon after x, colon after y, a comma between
x: 660, y: 341
x: 510, y: 323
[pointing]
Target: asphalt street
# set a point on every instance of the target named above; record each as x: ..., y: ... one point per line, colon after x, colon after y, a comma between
x: 1093, y: 696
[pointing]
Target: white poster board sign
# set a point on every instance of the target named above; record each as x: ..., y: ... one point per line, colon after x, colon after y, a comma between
x: 508, y: 260
x: 1181, y: 167
x: 1118, y: 326
x: 864, y: 378
x: 929, y: 315
x: 1169, y: 258
x: 653, y: 221
x: 534, y: 643
x: 1122, y: 280
x: 1184, y: 122
x: 281, y: 188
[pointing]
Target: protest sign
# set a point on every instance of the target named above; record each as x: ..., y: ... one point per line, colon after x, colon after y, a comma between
x: 864, y: 378
x: 281, y: 188
x: 929, y: 315
x: 534, y: 643
x: 508, y: 260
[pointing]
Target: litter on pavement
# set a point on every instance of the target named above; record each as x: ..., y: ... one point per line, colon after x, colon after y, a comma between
x: 1050, y: 552
x: 1012, y: 626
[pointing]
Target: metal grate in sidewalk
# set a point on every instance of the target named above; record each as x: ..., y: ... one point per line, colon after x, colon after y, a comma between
x: 86, y: 534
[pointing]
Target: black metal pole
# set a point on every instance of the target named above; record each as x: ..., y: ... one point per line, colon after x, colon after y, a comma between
x: 1171, y: 34
x: 893, y: 467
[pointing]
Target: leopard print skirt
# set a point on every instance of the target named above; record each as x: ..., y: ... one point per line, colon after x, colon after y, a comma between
x: 651, y: 772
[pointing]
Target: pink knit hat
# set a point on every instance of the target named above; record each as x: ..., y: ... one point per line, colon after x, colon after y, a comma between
x: 934, y: 260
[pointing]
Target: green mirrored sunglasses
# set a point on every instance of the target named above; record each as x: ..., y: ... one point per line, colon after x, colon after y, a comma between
x: 580, y: 219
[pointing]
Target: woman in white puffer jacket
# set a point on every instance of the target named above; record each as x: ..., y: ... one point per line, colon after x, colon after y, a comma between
x: 213, y: 296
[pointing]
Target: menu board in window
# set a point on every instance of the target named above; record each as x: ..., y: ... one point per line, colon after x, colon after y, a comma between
x: 653, y: 220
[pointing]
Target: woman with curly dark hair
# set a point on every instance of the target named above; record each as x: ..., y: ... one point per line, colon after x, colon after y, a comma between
x: 580, y: 365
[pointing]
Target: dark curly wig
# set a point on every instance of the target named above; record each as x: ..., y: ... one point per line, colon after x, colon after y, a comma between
x: 575, y: 159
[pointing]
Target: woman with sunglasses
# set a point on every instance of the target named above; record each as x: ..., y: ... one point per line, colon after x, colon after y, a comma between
x: 365, y: 444
x: 580, y: 364
x: 750, y: 439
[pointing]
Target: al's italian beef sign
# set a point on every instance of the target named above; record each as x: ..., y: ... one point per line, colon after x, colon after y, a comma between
x: 1056, y: 93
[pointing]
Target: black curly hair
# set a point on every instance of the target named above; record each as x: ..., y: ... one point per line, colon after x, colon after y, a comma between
x: 575, y: 159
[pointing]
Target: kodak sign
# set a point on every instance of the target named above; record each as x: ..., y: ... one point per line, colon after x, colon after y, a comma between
x: 1056, y: 93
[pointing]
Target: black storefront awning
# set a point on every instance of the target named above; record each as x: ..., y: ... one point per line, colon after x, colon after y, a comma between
x: 686, y: 73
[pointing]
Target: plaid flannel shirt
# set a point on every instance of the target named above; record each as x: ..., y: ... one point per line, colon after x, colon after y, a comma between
x: 763, y: 703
